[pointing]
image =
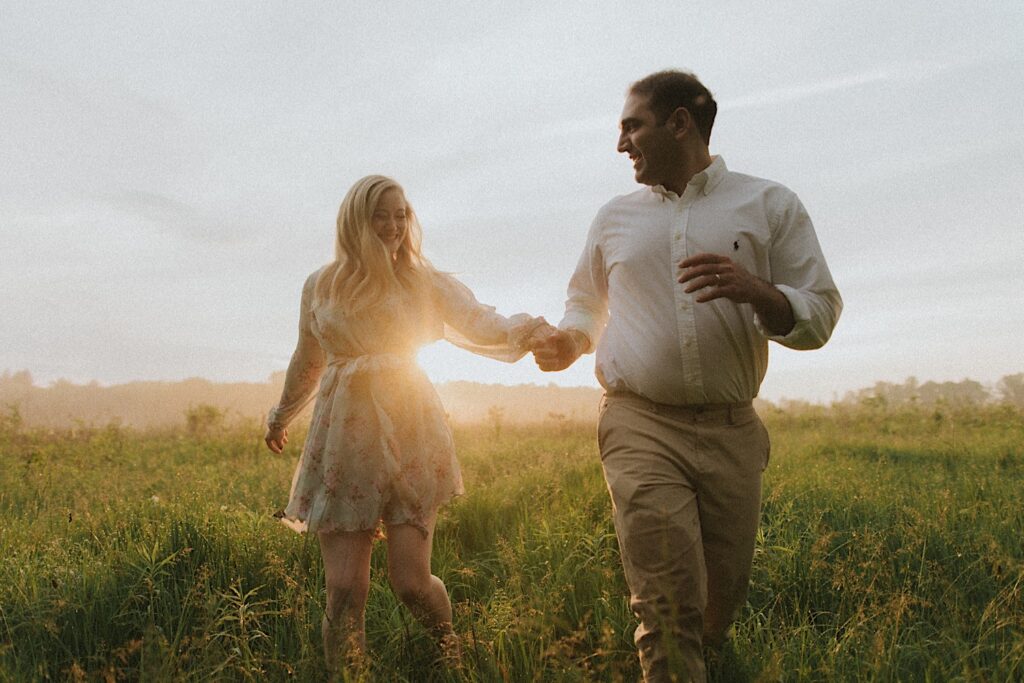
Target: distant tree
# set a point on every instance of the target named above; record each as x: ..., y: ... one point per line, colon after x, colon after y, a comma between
x: 884, y: 394
x: 204, y: 419
x: 559, y: 420
x: 911, y: 390
x: 875, y: 401
x: 22, y: 378
x: 1011, y: 389
x: 10, y: 420
x: 496, y: 416
x: 964, y: 393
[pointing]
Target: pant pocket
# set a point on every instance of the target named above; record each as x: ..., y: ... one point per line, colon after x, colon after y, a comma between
x: 767, y: 443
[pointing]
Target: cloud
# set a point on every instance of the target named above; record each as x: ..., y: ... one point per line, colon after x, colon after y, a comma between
x: 153, y: 206
x: 175, y: 217
x: 906, y: 71
x: 65, y: 140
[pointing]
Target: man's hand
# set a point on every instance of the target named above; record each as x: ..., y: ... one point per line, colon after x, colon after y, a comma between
x: 276, y: 438
x: 721, y: 277
x: 540, y: 334
x: 558, y: 350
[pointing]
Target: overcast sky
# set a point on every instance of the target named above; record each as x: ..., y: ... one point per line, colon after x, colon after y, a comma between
x: 171, y: 172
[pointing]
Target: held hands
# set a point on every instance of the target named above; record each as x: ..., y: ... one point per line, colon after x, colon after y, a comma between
x: 276, y: 438
x: 539, y: 334
x: 558, y: 349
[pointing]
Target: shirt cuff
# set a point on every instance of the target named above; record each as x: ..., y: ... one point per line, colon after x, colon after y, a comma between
x: 274, y: 420
x: 801, y: 314
x: 584, y: 342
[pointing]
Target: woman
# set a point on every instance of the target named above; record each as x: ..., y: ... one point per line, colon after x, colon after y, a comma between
x: 379, y: 451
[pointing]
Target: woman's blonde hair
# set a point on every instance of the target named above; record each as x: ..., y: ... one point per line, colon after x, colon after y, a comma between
x: 364, y: 273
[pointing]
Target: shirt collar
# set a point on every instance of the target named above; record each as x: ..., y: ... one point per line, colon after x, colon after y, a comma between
x: 703, y: 182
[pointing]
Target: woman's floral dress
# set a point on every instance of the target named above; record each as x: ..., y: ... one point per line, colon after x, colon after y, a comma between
x: 379, y: 448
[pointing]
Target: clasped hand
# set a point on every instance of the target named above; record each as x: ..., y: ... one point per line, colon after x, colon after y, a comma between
x: 554, y: 349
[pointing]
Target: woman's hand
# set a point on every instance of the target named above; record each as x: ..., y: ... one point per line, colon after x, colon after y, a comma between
x: 539, y: 335
x: 276, y: 438
x: 559, y: 350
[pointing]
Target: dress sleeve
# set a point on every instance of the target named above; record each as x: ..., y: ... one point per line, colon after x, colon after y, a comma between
x: 799, y: 271
x: 304, y: 370
x: 478, y: 328
x: 586, y: 308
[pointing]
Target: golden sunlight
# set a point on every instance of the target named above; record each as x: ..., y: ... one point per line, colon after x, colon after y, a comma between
x: 427, y: 359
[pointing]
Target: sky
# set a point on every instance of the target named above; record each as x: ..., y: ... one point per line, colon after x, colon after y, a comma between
x: 171, y: 172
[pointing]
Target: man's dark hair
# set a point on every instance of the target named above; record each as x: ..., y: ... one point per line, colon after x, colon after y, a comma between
x: 669, y: 90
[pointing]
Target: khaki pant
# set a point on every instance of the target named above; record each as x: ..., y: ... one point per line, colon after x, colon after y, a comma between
x: 685, y: 484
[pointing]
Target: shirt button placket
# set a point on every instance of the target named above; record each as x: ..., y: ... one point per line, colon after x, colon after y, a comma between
x: 693, y: 385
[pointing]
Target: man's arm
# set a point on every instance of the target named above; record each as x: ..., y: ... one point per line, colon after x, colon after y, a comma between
x: 721, y: 277
x: 586, y: 309
x: 800, y: 276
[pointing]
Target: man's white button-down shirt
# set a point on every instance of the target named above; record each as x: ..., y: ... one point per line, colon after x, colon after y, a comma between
x: 655, y: 340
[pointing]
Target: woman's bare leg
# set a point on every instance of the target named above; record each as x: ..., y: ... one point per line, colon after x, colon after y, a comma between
x: 409, y: 573
x: 347, y: 575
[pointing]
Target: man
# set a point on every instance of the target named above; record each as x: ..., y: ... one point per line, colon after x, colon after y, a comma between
x: 679, y: 288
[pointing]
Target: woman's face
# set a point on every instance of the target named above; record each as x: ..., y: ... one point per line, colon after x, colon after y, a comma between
x: 388, y: 220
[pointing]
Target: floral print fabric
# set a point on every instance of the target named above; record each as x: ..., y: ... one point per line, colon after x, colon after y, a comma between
x: 379, y: 448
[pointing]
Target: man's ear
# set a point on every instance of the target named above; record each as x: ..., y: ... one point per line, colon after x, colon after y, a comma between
x: 680, y: 122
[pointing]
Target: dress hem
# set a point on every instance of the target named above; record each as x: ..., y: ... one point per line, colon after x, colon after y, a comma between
x: 300, y: 525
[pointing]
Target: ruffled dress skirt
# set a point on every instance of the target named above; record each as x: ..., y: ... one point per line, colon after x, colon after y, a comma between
x: 379, y: 450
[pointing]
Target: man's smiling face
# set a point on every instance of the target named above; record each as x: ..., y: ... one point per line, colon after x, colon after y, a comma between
x: 652, y: 147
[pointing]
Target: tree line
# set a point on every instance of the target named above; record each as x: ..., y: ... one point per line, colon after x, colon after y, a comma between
x: 1008, y: 390
x: 160, y: 404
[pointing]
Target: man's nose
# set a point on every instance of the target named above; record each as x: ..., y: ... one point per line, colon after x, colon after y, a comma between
x: 621, y: 146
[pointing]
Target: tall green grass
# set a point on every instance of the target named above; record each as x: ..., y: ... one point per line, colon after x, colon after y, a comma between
x: 890, y: 550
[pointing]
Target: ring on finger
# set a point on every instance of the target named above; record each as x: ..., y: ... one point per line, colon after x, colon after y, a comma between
x: 718, y: 278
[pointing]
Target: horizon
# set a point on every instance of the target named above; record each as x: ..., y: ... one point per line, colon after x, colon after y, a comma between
x: 277, y: 377
x: 170, y: 176
x: 161, y: 404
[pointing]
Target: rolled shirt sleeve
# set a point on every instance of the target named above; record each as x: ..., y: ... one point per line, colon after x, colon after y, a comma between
x: 799, y: 271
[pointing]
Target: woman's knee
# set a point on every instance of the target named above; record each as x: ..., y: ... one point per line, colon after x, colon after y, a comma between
x: 347, y: 593
x: 410, y: 587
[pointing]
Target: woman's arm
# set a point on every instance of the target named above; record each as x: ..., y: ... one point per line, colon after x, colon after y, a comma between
x: 304, y: 371
x: 476, y: 327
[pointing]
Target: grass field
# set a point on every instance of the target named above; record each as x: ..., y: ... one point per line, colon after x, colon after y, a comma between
x: 891, y: 549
